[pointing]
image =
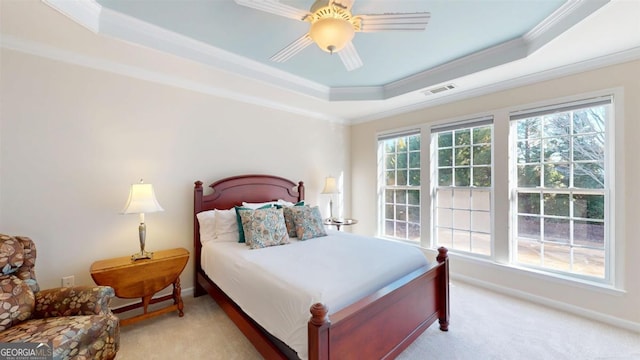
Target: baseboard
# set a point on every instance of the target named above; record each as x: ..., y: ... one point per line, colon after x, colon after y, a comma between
x: 558, y: 305
x: 187, y: 291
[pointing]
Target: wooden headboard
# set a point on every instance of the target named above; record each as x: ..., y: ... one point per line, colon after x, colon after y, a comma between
x: 232, y: 191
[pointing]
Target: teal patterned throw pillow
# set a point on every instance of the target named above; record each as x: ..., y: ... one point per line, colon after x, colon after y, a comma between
x: 308, y: 222
x: 239, y: 209
x: 288, y: 218
x: 264, y: 227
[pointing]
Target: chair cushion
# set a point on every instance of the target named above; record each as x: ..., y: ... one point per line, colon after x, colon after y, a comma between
x: 27, y: 271
x: 85, y: 337
x: 11, y: 254
x: 18, y: 257
x: 17, y: 301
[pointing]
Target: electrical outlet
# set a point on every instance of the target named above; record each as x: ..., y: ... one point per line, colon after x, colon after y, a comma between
x: 68, y: 281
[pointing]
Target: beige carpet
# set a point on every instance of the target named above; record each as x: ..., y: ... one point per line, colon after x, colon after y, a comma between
x: 484, y: 325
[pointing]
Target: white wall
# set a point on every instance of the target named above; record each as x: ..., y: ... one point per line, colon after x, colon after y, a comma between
x: 619, y: 307
x: 73, y: 138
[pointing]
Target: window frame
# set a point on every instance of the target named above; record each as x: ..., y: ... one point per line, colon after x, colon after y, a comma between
x: 470, y: 124
x: 609, y: 218
x: 382, y: 186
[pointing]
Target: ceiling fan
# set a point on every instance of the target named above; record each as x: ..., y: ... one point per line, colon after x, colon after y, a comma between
x: 333, y: 26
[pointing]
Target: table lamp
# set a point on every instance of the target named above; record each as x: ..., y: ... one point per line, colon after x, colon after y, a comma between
x: 330, y: 187
x: 142, y: 199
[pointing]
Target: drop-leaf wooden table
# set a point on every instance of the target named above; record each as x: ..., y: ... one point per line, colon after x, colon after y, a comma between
x: 142, y: 279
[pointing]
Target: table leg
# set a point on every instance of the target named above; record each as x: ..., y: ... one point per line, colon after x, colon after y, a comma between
x: 145, y: 302
x: 177, y: 297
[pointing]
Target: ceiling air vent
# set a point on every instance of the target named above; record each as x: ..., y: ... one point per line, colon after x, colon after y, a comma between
x: 439, y: 89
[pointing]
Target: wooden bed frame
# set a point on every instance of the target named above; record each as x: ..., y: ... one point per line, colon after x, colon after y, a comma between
x: 379, y: 326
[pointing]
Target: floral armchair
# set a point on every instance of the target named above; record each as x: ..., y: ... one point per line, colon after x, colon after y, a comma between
x: 77, y: 320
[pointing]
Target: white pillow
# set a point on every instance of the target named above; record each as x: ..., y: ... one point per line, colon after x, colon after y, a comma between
x: 285, y: 202
x: 254, y: 206
x: 207, y: 222
x: 226, y: 227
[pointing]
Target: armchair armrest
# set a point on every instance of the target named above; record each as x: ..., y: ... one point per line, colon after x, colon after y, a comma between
x: 70, y: 301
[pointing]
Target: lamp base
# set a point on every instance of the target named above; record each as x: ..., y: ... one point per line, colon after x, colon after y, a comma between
x: 142, y: 255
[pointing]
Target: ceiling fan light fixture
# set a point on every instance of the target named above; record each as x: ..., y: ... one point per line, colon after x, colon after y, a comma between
x: 333, y: 26
x: 331, y: 34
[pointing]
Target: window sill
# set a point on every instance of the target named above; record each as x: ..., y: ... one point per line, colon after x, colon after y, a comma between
x: 522, y: 271
x: 541, y: 275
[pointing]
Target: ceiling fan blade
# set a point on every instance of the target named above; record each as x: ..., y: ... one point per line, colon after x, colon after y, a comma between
x: 275, y: 7
x: 398, y: 22
x: 292, y: 49
x: 350, y: 58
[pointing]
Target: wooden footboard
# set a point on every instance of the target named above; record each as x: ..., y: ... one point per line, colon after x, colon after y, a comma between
x: 394, y: 316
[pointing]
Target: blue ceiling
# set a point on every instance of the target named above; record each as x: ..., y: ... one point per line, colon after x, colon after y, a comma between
x: 457, y: 28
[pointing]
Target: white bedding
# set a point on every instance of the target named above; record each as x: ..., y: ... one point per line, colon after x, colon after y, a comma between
x: 277, y: 285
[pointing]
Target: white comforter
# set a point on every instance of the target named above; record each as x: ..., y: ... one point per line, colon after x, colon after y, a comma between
x: 277, y: 285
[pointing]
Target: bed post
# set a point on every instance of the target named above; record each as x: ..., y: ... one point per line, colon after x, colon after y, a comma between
x: 197, y: 207
x: 443, y: 299
x: 300, y: 190
x: 318, y: 332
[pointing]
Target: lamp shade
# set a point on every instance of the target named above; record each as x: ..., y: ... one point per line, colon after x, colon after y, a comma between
x: 330, y: 186
x: 142, y: 199
x: 331, y: 34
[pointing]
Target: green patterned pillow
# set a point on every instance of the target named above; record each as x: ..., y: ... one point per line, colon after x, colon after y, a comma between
x: 264, y: 227
x: 239, y: 209
x: 308, y: 222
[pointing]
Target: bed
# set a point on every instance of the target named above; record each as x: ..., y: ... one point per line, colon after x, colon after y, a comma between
x: 394, y: 315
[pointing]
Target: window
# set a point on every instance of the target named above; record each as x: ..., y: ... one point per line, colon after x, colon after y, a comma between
x: 531, y: 188
x: 462, y: 186
x: 561, y: 187
x: 399, y: 185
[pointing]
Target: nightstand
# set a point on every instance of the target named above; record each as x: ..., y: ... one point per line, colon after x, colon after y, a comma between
x: 142, y: 279
x: 340, y: 222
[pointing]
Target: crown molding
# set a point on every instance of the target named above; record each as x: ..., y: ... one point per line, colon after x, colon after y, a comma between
x: 104, y: 21
x: 558, y: 22
x: 569, y: 14
x: 482, y: 60
x: 124, y: 27
x: 572, y: 69
x: 85, y: 13
x: 363, y: 93
x: 107, y: 22
x: 46, y: 51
